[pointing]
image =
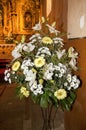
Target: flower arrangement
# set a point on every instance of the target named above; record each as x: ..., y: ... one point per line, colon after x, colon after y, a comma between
x: 43, y: 69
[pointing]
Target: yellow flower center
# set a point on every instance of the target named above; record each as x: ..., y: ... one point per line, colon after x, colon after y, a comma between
x: 60, y: 94
x: 16, y: 66
x: 39, y: 62
x: 47, y: 40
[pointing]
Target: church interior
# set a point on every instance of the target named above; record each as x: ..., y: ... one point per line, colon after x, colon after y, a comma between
x: 17, y: 17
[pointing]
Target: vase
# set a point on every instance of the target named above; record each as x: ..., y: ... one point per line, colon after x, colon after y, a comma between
x: 49, y: 116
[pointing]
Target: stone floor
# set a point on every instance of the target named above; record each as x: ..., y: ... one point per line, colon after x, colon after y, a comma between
x: 21, y: 115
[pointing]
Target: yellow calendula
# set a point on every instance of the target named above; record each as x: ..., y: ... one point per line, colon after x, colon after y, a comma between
x: 47, y: 40
x: 24, y: 91
x: 16, y: 66
x: 39, y: 62
x: 60, y: 94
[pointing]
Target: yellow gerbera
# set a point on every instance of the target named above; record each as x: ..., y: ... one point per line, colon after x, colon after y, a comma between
x: 60, y: 94
x: 47, y: 40
x: 24, y: 91
x: 16, y: 66
x: 39, y: 62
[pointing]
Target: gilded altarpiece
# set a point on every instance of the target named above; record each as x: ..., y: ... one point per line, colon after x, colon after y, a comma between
x: 18, y: 16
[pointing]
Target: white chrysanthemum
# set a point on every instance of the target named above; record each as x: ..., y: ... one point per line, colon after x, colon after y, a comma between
x: 26, y: 63
x: 65, y: 84
x: 75, y: 82
x: 36, y: 88
x: 69, y: 78
x: 48, y: 75
x: 58, y: 40
x: 7, y: 76
x: 60, y: 94
x: 43, y: 51
x: 49, y: 68
x: 30, y: 75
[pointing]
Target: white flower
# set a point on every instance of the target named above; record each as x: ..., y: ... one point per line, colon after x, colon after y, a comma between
x: 16, y: 53
x: 42, y: 51
x: 60, y: 53
x: 26, y: 63
x: 69, y: 78
x: 28, y: 47
x: 71, y: 53
x: 60, y: 75
x: 7, y: 75
x: 57, y: 68
x: 72, y: 63
x: 62, y: 71
x: 48, y: 75
x: 65, y: 84
x: 30, y: 75
x: 10, y: 80
x: 35, y: 36
x: 52, y: 29
x: 5, y: 78
x: 36, y: 88
x: 37, y: 27
x: 58, y: 40
x: 6, y: 71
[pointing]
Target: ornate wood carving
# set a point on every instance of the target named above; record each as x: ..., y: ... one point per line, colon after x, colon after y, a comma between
x: 18, y: 16
x: 31, y: 13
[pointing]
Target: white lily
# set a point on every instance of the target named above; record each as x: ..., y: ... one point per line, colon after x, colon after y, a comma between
x: 72, y: 63
x: 37, y: 27
x: 52, y: 29
x: 60, y: 53
x: 71, y: 53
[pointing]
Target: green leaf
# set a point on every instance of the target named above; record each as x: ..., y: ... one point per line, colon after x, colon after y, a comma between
x: 43, y: 101
x: 65, y: 105
x: 70, y: 100
x: 73, y: 95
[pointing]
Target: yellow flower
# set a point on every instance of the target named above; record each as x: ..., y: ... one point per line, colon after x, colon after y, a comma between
x: 41, y: 81
x: 60, y: 94
x: 34, y: 70
x: 47, y: 40
x: 24, y: 91
x: 39, y: 62
x: 52, y: 81
x: 16, y: 66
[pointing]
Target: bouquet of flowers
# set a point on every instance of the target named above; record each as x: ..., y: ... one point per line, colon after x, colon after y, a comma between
x: 43, y: 69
